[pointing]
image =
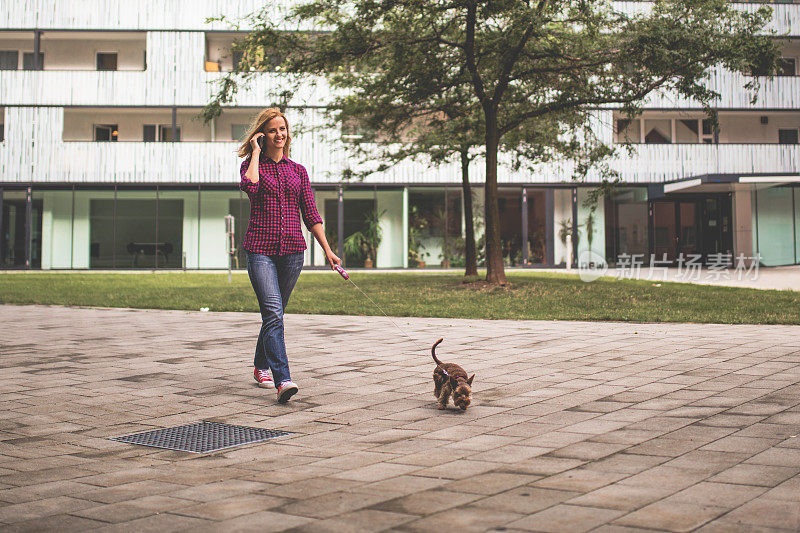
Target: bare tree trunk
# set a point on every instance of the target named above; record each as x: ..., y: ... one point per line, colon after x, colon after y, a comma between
x: 495, y: 273
x: 470, y: 254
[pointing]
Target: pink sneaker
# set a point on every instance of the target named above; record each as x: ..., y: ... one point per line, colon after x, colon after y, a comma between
x: 263, y: 378
x: 286, y: 390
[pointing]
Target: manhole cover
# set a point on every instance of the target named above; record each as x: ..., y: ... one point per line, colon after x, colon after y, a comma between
x: 201, y: 437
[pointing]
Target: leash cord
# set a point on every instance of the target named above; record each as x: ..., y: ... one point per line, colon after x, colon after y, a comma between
x: 387, y: 316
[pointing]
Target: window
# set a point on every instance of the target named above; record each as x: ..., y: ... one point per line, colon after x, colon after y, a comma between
x: 27, y: 61
x: 658, y: 131
x: 687, y: 130
x: 354, y: 132
x: 160, y: 133
x: 787, y: 66
x: 142, y: 233
x: 238, y: 55
x: 238, y: 131
x: 709, y: 135
x: 106, y: 133
x: 165, y: 133
x: 787, y: 136
x: 106, y: 61
x: 9, y: 60
x: 628, y: 130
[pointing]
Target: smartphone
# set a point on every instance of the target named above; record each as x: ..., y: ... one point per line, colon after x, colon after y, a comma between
x: 260, y: 142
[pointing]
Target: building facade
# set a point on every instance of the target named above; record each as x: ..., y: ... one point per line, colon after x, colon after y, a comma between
x: 105, y: 165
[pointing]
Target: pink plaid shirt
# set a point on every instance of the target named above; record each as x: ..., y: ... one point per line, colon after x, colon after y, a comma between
x: 282, y: 193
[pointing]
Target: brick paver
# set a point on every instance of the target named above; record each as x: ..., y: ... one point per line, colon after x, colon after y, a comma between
x: 573, y: 427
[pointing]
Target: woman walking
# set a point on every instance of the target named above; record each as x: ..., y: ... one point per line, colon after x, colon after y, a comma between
x: 279, y: 192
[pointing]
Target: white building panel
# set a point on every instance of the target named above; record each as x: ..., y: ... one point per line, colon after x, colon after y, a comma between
x: 785, y: 20
x: 126, y: 14
x: 192, y: 14
x: 34, y: 152
x: 780, y: 92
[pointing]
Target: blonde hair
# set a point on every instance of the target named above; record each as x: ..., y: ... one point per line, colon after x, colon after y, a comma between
x: 257, y: 126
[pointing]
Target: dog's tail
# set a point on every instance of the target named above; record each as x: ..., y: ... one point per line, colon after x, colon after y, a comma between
x: 433, y: 351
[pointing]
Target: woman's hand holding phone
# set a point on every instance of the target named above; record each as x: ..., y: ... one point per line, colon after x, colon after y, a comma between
x: 257, y: 142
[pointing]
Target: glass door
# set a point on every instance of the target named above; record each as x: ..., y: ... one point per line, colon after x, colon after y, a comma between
x: 12, y: 240
x: 665, y: 237
x: 688, y: 224
x: 717, y: 231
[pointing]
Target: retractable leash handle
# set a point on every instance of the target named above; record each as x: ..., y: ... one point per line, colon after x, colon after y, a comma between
x: 342, y: 272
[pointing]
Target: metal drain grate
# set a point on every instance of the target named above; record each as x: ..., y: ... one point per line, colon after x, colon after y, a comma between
x: 201, y: 437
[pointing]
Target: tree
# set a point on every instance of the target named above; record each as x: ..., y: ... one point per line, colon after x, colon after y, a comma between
x: 409, y: 127
x: 522, y: 62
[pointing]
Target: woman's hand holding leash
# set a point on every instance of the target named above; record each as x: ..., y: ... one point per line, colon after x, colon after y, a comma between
x: 333, y: 259
x: 319, y: 234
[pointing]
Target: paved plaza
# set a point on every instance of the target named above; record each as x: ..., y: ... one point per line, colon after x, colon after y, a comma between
x: 607, y: 427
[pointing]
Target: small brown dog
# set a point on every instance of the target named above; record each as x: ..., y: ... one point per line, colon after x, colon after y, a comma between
x: 449, y: 378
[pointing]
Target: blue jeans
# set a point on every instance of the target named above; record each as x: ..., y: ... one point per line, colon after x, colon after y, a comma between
x: 273, y: 277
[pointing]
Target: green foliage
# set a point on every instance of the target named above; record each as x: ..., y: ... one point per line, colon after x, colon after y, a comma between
x: 589, y: 224
x: 565, y: 230
x: 364, y: 243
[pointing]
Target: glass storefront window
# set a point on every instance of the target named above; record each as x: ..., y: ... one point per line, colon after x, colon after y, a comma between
x: 240, y: 209
x: 626, y: 224
x: 796, y: 193
x: 537, y: 227
x: 136, y: 233
x: 434, y: 232
x: 357, y: 215
x: 510, y: 206
x: 775, y: 223
x: 12, y: 237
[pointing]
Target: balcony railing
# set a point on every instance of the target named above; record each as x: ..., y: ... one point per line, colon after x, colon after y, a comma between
x: 202, y: 162
x: 785, y: 17
x: 148, y: 88
x: 780, y: 92
x: 665, y: 162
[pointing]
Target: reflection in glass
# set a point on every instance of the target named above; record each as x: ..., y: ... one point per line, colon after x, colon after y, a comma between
x: 355, y: 218
x: 240, y: 209
x: 775, y: 226
x: 12, y: 240
x: 510, y: 204
x: 537, y: 227
x: 434, y: 233
x: 688, y: 220
x: 657, y: 131
x: 626, y: 223
x: 140, y: 240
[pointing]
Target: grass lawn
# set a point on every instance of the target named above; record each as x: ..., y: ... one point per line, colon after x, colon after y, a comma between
x: 533, y: 295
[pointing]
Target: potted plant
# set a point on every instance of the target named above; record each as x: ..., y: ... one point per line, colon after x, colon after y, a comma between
x: 365, y: 243
x: 589, y: 227
x: 565, y: 230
